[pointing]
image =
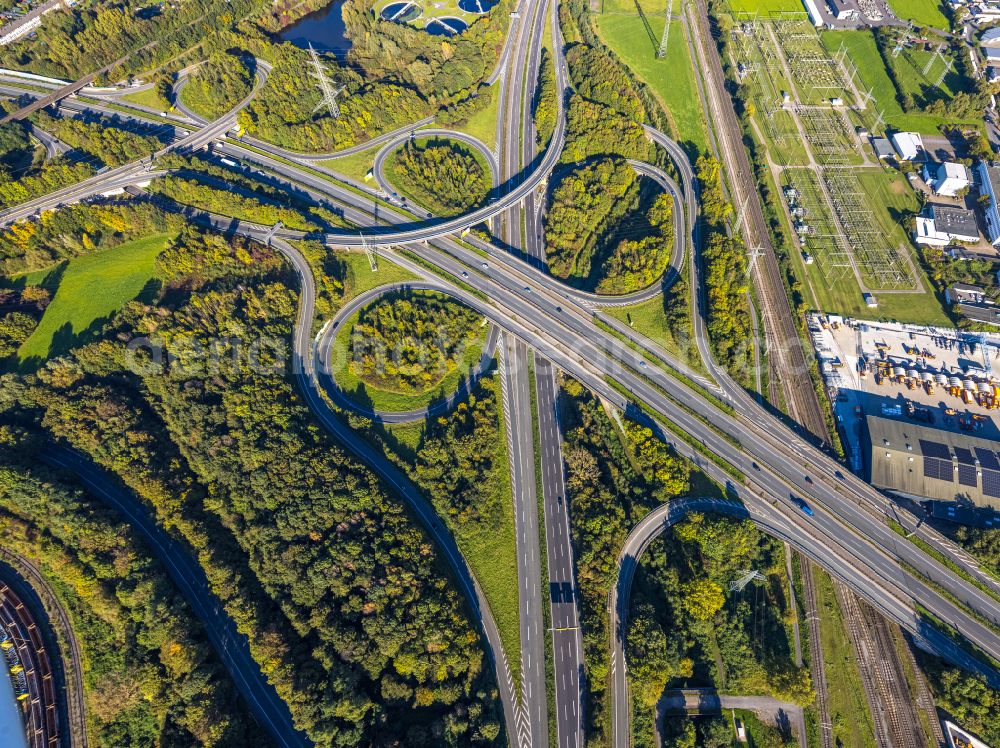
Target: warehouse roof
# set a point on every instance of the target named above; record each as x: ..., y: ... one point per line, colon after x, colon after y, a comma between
x: 932, y: 463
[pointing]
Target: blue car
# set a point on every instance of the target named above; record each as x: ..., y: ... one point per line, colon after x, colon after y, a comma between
x: 801, y: 504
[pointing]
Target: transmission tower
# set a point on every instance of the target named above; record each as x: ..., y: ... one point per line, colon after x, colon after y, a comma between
x: 326, y: 87
x: 749, y: 575
x: 662, y: 51
x: 371, y: 251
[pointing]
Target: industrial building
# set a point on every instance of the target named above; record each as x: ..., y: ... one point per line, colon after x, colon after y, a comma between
x: 844, y: 10
x: 948, y: 178
x: 909, y: 145
x: 923, y: 462
x: 988, y: 179
x: 940, y: 225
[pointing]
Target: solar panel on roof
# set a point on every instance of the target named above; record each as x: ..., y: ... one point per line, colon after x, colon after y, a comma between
x: 967, y: 475
x: 935, y: 449
x: 940, y: 469
x: 987, y: 459
x: 991, y: 482
x: 964, y: 455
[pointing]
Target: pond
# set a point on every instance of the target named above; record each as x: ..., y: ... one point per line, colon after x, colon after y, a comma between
x: 445, y: 26
x: 324, y: 29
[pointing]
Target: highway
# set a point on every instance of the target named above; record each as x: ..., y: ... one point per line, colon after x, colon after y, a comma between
x: 516, y: 87
x: 847, y: 535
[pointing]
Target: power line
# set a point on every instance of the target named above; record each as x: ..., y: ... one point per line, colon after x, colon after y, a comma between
x: 328, y: 93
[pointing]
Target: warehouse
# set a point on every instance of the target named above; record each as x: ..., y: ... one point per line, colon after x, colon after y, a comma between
x: 923, y: 462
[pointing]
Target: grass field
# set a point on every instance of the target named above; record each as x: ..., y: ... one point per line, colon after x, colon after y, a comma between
x: 92, y: 288
x: 361, y: 277
x: 355, y: 166
x: 149, y: 98
x: 922, y: 12
x: 860, y: 48
x: 388, y: 400
x: 672, y: 79
x: 852, y: 722
x: 766, y: 7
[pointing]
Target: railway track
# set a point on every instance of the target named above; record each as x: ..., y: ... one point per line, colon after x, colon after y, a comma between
x: 784, y: 345
x: 816, y: 653
x: 893, y: 715
x: 71, y: 660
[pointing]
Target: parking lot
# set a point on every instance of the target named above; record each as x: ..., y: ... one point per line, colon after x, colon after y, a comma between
x: 941, y: 377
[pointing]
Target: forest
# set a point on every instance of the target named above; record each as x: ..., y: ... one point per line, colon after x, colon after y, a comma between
x: 112, y: 144
x: 441, y: 175
x: 545, y: 104
x: 218, y: 85
x: 636, y: 263
x: 339, y: 591
x: 584, y: 204
x: 151, y: 677
x: 409, y: 341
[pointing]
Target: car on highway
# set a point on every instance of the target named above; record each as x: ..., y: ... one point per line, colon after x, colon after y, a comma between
x: 801, y: 504
x: 527, y: 289
x: 465, y: 274
x: 485, y: 266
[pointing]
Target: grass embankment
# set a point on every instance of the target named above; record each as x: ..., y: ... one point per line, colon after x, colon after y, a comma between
x: 852, y: 722
x: 359, y: 276
x: 483, y: 124
x: 649, y: 319
x: 766, y: 7
x: 862, y: 51
x: 671, y: 78
x: 91, y: 288
x: 357, y: 166
x: 148, y: 97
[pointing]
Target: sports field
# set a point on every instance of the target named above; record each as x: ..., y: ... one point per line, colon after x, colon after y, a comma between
x: 91, y: 289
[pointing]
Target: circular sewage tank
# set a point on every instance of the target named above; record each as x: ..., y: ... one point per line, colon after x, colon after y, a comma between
x: 445, y: 26
x: 401, y: 12
x: 477, y: 6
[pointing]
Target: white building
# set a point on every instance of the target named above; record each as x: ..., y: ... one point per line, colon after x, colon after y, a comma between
x: 948, y: 178
x: 909, y: 145
x: 814, y: 15
x: 988, y: 180
x: 940, y: 225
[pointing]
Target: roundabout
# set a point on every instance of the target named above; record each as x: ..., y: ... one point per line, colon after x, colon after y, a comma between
x: 339, y: 361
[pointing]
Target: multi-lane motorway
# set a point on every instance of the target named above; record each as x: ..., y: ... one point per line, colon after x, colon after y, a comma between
x: 770, y: 463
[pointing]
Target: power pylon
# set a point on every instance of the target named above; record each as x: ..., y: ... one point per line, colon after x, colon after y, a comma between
x: 326, y: 87
x: 371, y: 251
x: 749, y: 575
x: 662, y: 51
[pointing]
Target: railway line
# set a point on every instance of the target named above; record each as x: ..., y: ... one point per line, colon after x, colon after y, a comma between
x: 816, y: 661
x: 71, y: 658
x: 784, y: 345
x: 893, y: 716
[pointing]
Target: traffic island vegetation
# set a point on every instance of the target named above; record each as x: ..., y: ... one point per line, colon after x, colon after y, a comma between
x: 685, y: 630
x: 110, y: 143
x: 406, y: 350
x: 343, y: 599
x: 149, y: 674
x: 964, y: 697
x: 594, y: 238
x: 217, y: 85
x: 441, y: 175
